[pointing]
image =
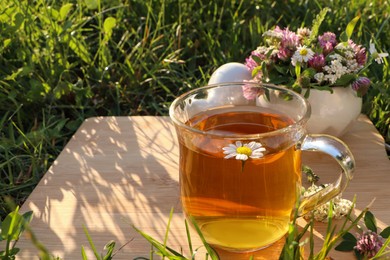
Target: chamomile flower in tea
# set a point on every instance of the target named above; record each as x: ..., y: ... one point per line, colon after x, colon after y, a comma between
x: 244, y: 151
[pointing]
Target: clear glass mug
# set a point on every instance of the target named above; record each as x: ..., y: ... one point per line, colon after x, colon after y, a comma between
x: 240, y: 161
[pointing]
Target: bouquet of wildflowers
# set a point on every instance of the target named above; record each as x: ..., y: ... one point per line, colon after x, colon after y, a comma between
x: 305, y: 59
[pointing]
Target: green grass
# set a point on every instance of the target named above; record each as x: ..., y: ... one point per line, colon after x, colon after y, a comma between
x: 64, y: 61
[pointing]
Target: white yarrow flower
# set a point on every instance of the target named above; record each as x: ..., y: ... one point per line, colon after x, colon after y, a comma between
x: 378, y: 57
x: 319, y: 77
x: 244, y: 151
x: 302, y: 54
x: 335, y: 70
x: 336, y: 56
x: 341, y: 206
x: 353, y: 66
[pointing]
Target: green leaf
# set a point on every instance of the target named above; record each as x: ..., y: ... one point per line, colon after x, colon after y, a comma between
x: 91, y: 4
x: 20, y: 72
x: 18, y: 21
x: 277, y: 80
x: 343, y: 37
x: 307, y: 93
x: 281, y: 69
x: 14, y: 251
x: 385, y: 233
x: 108, y: 25
x: 257, y: 59
x: 349, y: 237
x: 37, y: 91
x: 256, y: 70
x: 298, y: 70
x: 63, y: 88
x: 345, y: 246
x: 323, y: 88
x: 11, y: 227
x: 351, y: 26
x: 80, y: 48
x: 370, y: 221
x: 110, y: 250
x: 6, y: 42
x: 264, y: 69
x: 296, y: 87
x: 27, y: 217
x: 316, y: 25
x: 345, y: 80
x: 358, y: 255
x: 65, y: 9
x: 309, y: 73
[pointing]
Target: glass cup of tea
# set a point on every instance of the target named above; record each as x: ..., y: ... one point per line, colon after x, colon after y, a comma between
x: 240, y: 162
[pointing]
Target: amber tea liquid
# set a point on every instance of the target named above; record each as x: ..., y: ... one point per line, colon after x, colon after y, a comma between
x: 238, y: 207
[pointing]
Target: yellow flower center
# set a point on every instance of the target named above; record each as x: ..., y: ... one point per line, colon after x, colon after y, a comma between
x: 303, y: 52
x: 244, y: 150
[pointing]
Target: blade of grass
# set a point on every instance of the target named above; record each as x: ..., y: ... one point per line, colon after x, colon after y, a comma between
x: 91, y: 243
x: 189, y: 238
x: 209, y: 249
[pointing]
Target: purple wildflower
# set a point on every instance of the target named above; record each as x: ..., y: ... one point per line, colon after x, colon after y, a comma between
x: 361, y: 82
x: 261, y: 53
x: 278, y: 31
x: 290, y: 39
x: 250, y: 92
x: 250, y: 63
x: 369, y: 243
x: 303, y: 33
x: 317, y: 62
x: 327, y: 42
x: 361, y: 85
x: 360, y: 52
x: 327, y: 48
x: 284, y: 53
x: 288, y: 44
x: 327, y: 37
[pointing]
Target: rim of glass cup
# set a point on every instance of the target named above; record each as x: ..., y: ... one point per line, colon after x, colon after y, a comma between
x: 283, y: 130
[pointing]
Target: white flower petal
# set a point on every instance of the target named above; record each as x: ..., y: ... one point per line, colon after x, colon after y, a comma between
x: 257, y: 154
x: 253, y: 145
x: 230, y: 155
x: 255, y: 150
x: 378, y: 60
x: 262, y: 149
x: 380, y: 57
x: 229, y: 149
x: 372, y: 48
x: 242, y: 157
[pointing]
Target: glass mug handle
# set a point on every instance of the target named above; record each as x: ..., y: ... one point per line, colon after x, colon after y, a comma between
x: 341, y: 153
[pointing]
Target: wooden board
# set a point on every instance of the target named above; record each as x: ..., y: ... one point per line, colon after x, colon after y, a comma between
x: 121, y: 171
